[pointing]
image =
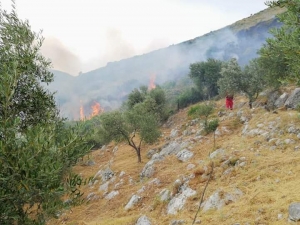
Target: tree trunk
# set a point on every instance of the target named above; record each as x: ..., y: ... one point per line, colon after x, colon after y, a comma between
x: 138, y: 152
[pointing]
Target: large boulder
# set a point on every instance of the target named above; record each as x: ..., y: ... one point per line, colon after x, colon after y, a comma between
x: 281, y: 100
x: 293, y: 100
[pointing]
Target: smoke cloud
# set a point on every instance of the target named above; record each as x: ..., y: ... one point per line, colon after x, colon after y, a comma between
x: 62, y: 58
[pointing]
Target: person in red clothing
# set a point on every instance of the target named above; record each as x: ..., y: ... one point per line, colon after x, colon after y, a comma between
x: 229, y: 101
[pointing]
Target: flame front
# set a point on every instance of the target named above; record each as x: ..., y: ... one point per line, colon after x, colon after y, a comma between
x: 96, y: 109
x: 152, y: 84
x: 81, y: 112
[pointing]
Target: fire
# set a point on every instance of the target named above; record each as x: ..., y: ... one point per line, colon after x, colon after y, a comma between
x: 96, y: 109
x: 152, y: 84
x: 81, y: 112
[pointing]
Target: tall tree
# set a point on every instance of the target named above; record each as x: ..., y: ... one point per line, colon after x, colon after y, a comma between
x: 280, y: 56
x: 205, y: 75
x: 230, y: 81
x: 249, y: 81
x: 36, y: 149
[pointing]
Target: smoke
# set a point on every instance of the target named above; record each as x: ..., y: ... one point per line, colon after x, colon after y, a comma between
x: 62, y: 58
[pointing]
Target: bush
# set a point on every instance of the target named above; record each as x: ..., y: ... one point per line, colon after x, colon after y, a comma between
x: 211, y: 126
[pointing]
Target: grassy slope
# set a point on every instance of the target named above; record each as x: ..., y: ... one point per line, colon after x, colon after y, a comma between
x: 269, y: 181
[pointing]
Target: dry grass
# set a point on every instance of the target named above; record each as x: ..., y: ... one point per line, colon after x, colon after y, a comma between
x: 269, y: 181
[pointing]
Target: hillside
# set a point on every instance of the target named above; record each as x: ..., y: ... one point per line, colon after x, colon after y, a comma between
x: 254, y: 180
x: 111, y: 84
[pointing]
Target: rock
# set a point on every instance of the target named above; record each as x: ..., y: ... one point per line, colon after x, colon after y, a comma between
x: 174, y: 133
x: 177, y: 222
x: 298, y: 136
x: 164, y: 195
x: 178, y: 202
x: 294, y: 211
x: 92, y: 196
x: 111, y: 195
x: 133, y: 201
x: 107, y: 174
x: 218, y: 199
x: 293, y: 100
x: 184, y: 155
x: 141, y: 190
x: 90, y: 163
x: 155, y: 181
x: 122, y: 174
x: 172, y: 148
x: 148, y: 170
x: 190, y: 166
x: 281, y: 100
x: 151, y: 152
x: 103, y: 148
x: 217, y: 152
x: 115, y: 149
x: 143, y: 220
x: 104, y: 187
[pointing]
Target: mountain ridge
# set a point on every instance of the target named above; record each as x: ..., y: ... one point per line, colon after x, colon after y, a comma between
x: 111, y: 84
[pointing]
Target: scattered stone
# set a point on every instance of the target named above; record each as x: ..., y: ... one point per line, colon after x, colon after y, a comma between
x: 115, y: 149
x: 184, y: 155
x: 177, y: 222
x: 143, y: 220
x: 280, y: 216
x: 218, y: 199
x: 92, y: 197
x: 151, y: 152
x: 293, y: 100
x: 111, y: 195
x: 165, y: 195
x: 174, y: 133
x: 178, y: 202
x: 122, y: 174
x: 90, y: 163
x: 216, y: 153
x: 141, y: 190
x: 132, y: 202
x: 104, y: 187
x: 294, y: 211
x: 281, y: 100
x: 190, y: 166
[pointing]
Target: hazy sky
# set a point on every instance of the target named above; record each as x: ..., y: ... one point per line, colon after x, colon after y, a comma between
x: 82, y: 35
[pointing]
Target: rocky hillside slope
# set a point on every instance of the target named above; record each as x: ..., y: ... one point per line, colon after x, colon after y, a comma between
x: 253, y: 171
x: 111, y: 84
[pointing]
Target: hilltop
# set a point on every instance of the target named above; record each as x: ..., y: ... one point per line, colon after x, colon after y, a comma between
x: 255, y: 164
x: 110, y: 85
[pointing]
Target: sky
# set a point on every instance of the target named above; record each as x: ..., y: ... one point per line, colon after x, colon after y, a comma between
x: 83, y: 35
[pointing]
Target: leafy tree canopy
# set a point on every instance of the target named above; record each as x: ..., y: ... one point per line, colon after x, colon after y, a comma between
x: 205, y: 75
x: 280, y: 56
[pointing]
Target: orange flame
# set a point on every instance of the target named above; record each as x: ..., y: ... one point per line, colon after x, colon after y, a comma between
x: 81, y: 112
x: 96, y: 109
x: 152, y: 84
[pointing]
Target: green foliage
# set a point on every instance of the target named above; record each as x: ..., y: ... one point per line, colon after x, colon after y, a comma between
x: 23, y: 68
x: 230, y: 81
x: 154, y: 101
x: 36, y: 148
x: 189, y: 96
x: 204, y: 111
x: 124, y: 126
x: 280, y: 55
x: 205, y: 76
x: 250, y: 80
x: 212, y: 126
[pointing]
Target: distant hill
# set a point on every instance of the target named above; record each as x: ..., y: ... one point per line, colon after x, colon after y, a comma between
x: 111, y: 84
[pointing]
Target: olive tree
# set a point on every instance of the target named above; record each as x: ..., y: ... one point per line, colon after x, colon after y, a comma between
x: 250, y: 80
x: 36, y: 149
x: 136, y: 126
x: 205, y: 76
x: 279, y: 56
